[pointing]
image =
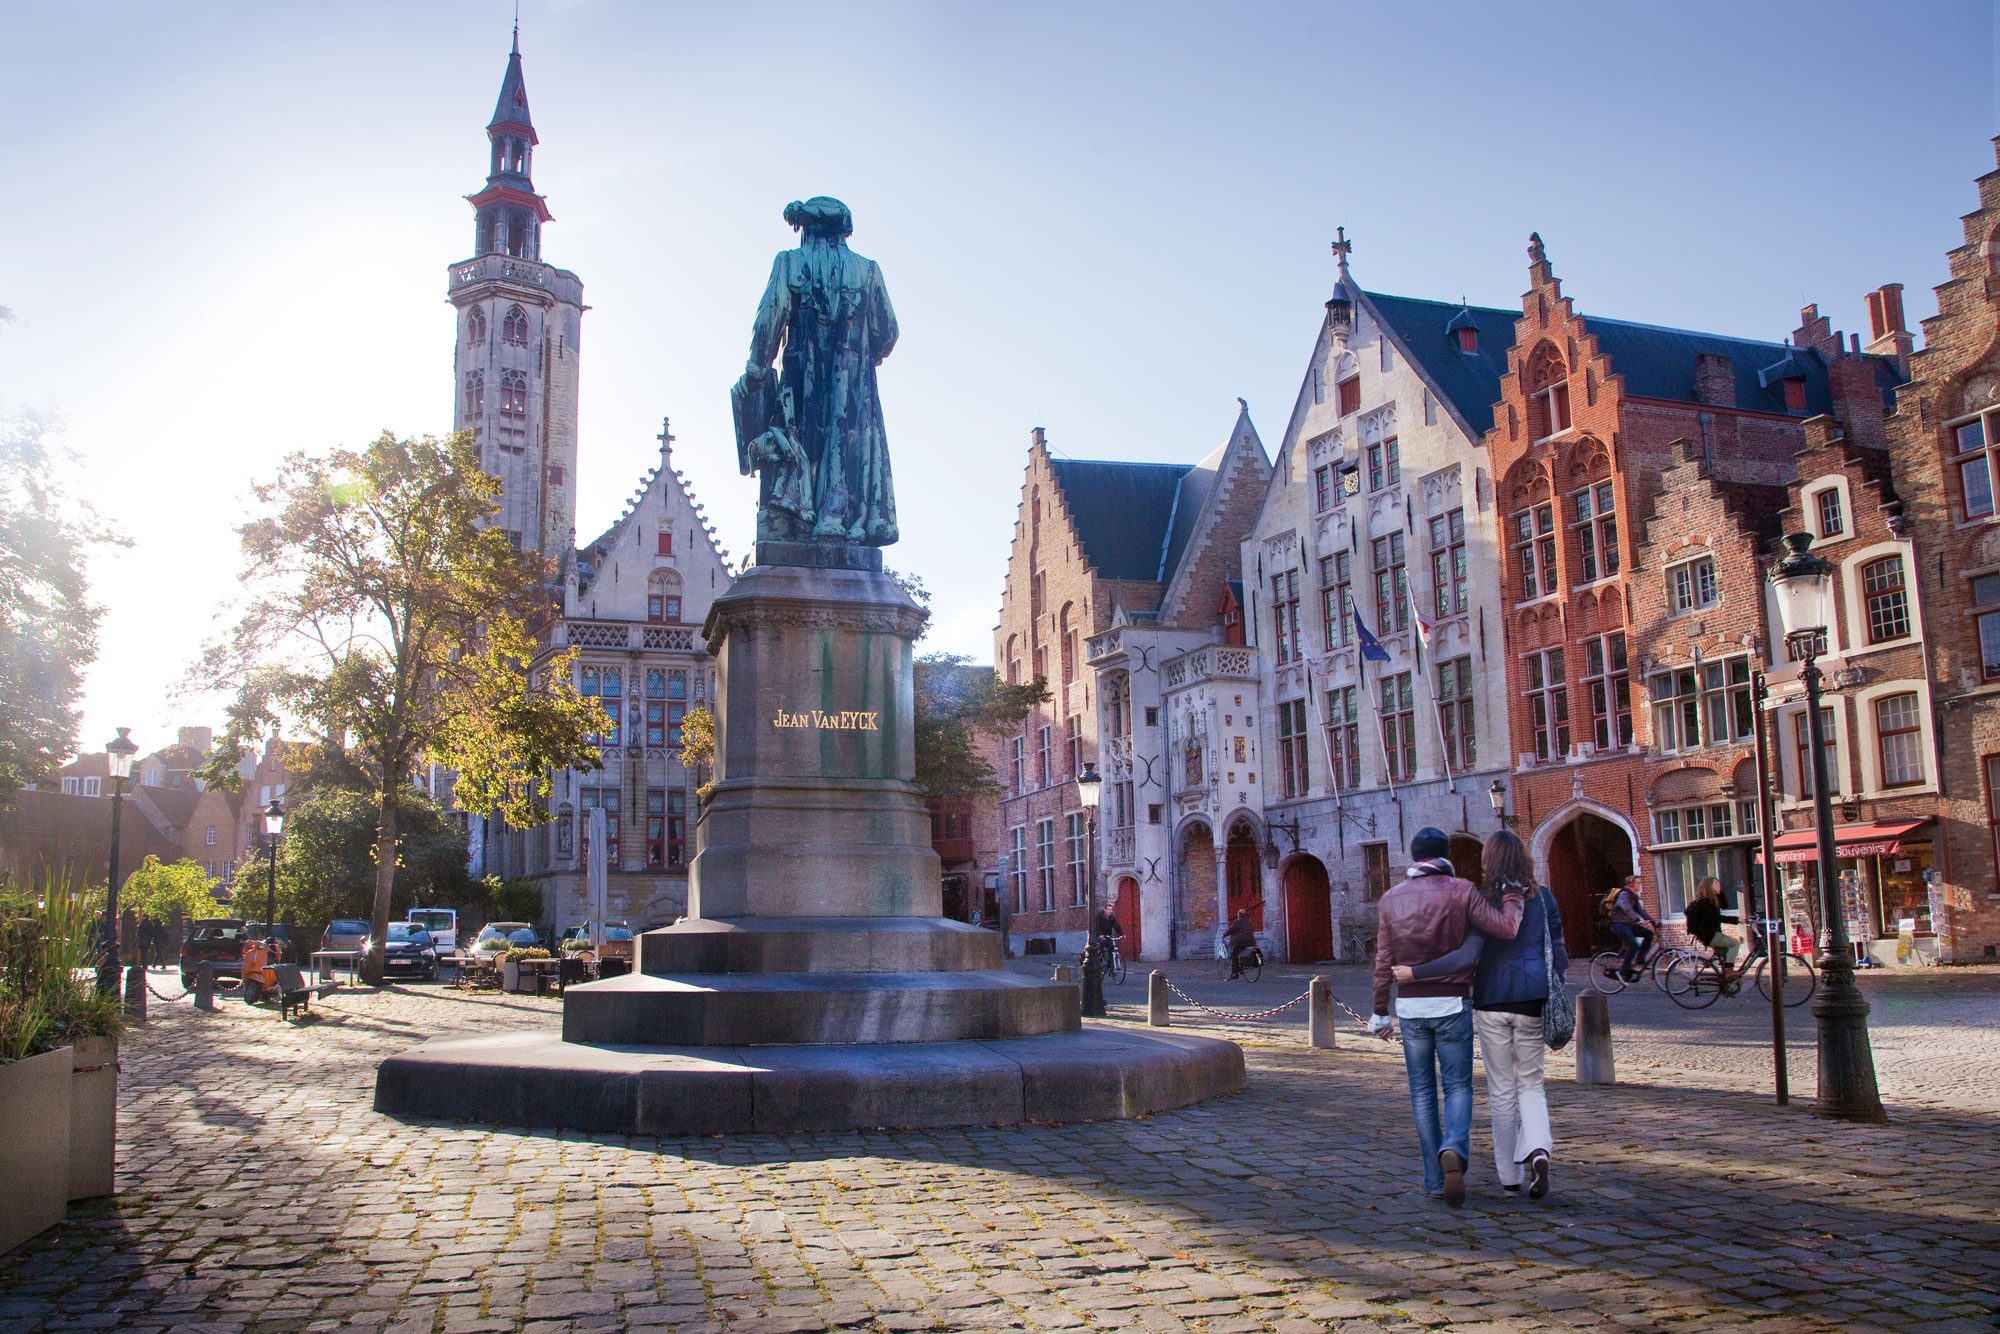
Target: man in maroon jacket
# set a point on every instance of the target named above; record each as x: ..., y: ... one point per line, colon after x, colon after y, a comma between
x: 1426, y: 916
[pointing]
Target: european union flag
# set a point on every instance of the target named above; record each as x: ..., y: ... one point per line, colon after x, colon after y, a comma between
x: 1371, y: 647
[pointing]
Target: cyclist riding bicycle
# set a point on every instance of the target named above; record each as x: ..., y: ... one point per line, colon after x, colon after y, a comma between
x: 1241, y: 938
x: 1704, y: 923
x: 1108, y: 931
x: 1627, y: 914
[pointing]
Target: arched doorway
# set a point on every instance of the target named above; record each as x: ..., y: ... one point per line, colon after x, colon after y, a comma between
x: 1588, y: 857
x: 1246, y: 881
x: 1197, y: 888
x: 1467, y: 855
x: 1126, y: 910
x: 1308, y: 911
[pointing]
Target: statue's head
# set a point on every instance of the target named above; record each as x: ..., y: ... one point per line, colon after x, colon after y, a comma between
x: 820, y: 216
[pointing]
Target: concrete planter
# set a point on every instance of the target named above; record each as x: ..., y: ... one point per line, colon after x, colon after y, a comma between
x: 35, y: 1101
x: 93, y: 1118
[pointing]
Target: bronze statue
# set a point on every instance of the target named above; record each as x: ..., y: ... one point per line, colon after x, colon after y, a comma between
x: 812, y: 428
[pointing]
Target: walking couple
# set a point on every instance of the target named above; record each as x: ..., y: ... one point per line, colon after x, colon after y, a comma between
x: 1464, y: 961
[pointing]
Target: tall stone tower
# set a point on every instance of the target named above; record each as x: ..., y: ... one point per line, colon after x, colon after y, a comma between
x: 519, y: 320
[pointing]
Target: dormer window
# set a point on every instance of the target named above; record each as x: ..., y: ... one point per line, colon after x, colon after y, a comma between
x: 1795, y: 396
x: 1468, y: 339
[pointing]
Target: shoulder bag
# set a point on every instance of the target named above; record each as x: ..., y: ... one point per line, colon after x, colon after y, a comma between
x: 1558, y: 1015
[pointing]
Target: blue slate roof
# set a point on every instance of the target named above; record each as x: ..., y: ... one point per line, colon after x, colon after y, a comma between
x: 1123, y: 512
x: 1427, y: 333
x: 1659, y: 363
x: 1190, y: 503
x: 512, y: 106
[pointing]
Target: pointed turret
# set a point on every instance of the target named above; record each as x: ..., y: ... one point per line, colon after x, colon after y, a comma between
x: 510, y: 214
x: 511, y: 111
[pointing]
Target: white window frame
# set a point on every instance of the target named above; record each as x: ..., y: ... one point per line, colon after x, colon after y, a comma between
x: 1955, y: 461
x: 1594, y: 527
x: 1810, y: 495
x: 1871, y: 754
x: 1792, y: 783
x: 1855, y: 599
x: 1672, y: 577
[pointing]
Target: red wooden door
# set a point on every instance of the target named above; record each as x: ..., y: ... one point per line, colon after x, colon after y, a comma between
x: 1308, y: 912
x: 1126, y: 910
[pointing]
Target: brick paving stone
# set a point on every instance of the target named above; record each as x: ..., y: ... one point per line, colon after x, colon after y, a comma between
x: 1683, y: 1200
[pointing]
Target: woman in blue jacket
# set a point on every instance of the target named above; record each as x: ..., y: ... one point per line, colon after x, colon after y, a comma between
x: 1508, y: 991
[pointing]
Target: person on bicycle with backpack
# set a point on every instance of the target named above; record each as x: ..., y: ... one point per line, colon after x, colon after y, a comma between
x: 1630, y: 922
x: 1108, y: 931
x: 1704, y: 923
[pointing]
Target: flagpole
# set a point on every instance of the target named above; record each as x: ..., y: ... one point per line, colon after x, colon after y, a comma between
x: 1437, y: 711
x: 1312, y: 694
x: 1375, y: 705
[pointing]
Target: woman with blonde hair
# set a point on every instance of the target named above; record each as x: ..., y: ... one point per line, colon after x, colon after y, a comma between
x: 1508, y: 993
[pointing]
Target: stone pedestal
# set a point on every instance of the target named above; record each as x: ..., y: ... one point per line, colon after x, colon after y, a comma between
x: 814, y: 984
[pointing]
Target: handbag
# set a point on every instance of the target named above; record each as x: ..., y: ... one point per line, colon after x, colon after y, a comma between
x: 1558, y: 1015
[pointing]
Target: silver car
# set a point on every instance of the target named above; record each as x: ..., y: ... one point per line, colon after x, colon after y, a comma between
x: 344, y: 933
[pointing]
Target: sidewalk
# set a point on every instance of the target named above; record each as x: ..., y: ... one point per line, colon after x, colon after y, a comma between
x: 259, y: 1192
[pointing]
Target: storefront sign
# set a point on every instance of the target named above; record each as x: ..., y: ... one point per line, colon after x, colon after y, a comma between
x: 1844, y: 851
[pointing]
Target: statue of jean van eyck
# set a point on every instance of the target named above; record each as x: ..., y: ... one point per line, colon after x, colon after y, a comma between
x: 811, y: 426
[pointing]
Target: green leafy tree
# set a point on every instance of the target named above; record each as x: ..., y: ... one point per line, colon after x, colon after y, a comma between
x: 326, y: 863
x: 48, y: 624
x: 385, y: 616
x: 698, y: 747
x: 958, y: 708
x: 159, y: 889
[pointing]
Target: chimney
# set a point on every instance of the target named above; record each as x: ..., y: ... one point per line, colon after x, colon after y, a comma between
x: 1714, y: 379
x: 1886, y: 335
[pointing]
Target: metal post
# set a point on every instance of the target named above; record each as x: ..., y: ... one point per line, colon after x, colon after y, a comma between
x: 1093, y: 965
x: 1319, y: 1014
x: 1156, y: 999
x: 271, y: 894
x: 1847, y: 1088
x: 1774, y: 911
x: 107, y: 967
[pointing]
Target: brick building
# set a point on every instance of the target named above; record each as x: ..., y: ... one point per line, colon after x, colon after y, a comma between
x: 1943, y: 434
x: 1697, y: 436
x: 1381, y: 502
x: 1115, y: 567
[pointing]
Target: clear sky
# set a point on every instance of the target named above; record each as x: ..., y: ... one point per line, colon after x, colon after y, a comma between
x: 228, y: 224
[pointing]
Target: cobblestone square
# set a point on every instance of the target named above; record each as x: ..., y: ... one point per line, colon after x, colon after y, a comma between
x: 258, y: 1191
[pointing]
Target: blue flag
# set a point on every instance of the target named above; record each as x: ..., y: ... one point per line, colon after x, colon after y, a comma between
x: 1371, y: 647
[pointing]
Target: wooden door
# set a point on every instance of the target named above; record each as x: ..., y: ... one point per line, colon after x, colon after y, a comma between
x: 1308, y: 911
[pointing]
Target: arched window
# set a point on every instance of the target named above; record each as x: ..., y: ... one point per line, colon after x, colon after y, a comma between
x: 475, y: 393
x: 663, y: 597
x: 514, y: 329
x: 514, y: 394
x: 1548, y: 393
x: 475, y: 325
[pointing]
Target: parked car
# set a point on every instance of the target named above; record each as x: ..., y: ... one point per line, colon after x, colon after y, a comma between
x: 497, y: 936
x: 619, y: 942
x: 442, y: 923
x: 408, y: 950
x: 344, y: 933
x: 219, y: 941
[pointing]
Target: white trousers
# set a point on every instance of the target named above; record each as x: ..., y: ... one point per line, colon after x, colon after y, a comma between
x: 1512, y: 1049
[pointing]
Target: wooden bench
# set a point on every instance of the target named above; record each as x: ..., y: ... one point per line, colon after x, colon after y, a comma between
x: 295, y: 990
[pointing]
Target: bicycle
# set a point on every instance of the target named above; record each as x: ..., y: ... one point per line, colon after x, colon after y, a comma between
x: 1607, y: 968
x: 1114, y: 963
x: 1252, y: 968
x: 1701, y: 985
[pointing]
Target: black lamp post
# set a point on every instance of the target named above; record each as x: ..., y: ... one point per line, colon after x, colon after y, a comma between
x: 274, y: 824
x: 1847, y: 1089
x: 1088, y: 789
x: 118, y: 753
x: 1497, y: 794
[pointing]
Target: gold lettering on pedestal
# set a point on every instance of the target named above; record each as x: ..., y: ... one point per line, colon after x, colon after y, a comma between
x: 847, y: 720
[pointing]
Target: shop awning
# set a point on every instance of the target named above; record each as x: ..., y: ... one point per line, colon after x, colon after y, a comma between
x: 1850, y: 840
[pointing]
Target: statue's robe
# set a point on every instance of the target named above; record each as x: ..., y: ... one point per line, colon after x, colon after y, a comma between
x: 827, y: 311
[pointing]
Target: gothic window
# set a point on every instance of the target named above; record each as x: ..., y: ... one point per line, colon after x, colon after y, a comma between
x: 514, y: 328
x: 475, y: 393
x: 663, y: 597
x: 1596, y: 530
x: 475, y: 325
x: 1548, y: 394
x: 514, y: 394
x: 1535, y: 550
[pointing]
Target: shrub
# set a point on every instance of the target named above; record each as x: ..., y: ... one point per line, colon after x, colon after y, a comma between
x: 520, y: 952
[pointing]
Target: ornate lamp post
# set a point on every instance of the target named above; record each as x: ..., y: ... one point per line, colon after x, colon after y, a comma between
x: 1088, y: 788
x: 1847, y: 1090
x: 118, y: 753
x: 1497, y: 794
x: 274, y: 824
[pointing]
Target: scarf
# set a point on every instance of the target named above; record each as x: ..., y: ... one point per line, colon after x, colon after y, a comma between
x: 1430, y: 866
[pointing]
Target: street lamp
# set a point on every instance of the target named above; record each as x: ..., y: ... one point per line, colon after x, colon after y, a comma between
x: 274, y: 824
x: 1497, y: 794
x: 118, y: 753
x: 1801, y: 583
x: 1088, y: 789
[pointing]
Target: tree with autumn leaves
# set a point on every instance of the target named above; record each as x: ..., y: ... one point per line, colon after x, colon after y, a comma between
x: 387, y: 618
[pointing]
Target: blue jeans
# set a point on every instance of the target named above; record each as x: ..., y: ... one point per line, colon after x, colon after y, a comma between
x: 1434, y: 1047
x: 1636, y: 940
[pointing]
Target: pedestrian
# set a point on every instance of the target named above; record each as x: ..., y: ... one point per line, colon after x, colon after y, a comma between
x: 142, y: 935
x: 1428, y: 915
x: 1509, y: 991
x: 1704, y: 923
x: 1631, y: 923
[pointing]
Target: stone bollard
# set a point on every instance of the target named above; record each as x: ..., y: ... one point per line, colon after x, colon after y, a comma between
x: 135, y: 993
x: 1320, y: 1024
x: 1062, y: 973
x: 1593, y: 1039
x: 1156, y: 999
x: 204, y: 986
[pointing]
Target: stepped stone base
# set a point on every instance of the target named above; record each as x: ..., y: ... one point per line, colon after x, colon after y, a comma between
x: 1100, y: 1072
x: 818, y: 945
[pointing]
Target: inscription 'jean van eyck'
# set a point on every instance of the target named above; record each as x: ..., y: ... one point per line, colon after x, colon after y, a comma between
x: 848, y: 720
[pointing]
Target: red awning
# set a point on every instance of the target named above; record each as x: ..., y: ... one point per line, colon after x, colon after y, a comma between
x: 1850, y: 840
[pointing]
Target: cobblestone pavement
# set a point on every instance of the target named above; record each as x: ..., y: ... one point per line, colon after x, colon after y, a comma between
x: 259, y: 1192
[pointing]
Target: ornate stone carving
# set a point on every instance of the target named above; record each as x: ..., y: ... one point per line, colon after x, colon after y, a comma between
x: 870, y: 617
